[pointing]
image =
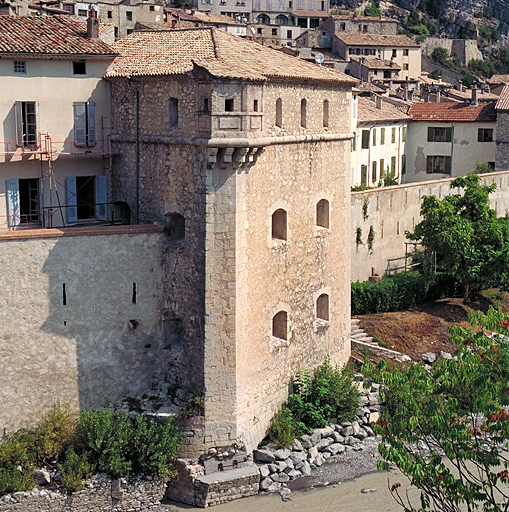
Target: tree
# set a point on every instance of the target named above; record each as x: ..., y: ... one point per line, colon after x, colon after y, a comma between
x: 470, y: 243
x: 440, y: 55
x: 372, y: 9
x: 447, y: 428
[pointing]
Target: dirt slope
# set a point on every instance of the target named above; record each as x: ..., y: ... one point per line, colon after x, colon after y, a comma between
x: 425, y: 328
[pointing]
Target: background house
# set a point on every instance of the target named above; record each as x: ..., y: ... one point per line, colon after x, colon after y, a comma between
x: 380, y: 141
x: 448, y: 139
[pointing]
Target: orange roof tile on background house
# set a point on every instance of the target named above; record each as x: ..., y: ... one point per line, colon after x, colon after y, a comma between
x: 48, y: 35
x: 174, y: 52
x: 377, y: 40
x: 484, y: 112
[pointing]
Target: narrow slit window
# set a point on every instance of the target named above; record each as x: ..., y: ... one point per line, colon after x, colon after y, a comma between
x: 322, y: 307
x: 135, y: 293
x: 325, y: 121
x: 279, y: 224
x: 279, y: 112
x: 64, y: 295
x: 228, y: 105
x: 255, y: 105
x: 303, y: 111
x: 174, y: 113
x: 322, y: 213
x: 280, y: 325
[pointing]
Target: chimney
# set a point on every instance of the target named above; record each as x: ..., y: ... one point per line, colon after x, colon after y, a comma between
x: 438, y: 94
x: 411, y: 95
x: 460, y: 84
x: 378, y: 101
x: 473, y: 102
x: 92, y: 25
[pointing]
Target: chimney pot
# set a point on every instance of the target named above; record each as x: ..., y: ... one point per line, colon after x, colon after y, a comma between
x: 92, y: 25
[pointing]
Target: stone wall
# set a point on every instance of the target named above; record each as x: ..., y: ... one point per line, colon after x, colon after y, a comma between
x: 101, y: 493
x: 81, y: 312
x: 502, y: 141
x: 393, y: 210
x: 464, y: 49
x: 226, y: 171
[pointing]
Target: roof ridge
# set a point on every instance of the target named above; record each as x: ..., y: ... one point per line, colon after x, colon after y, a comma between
x: 214, y: 42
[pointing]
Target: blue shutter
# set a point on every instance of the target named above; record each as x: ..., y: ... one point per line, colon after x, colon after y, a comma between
x: 91, y: 124
x: 18, y: 112
x: 12, y: 191
x: 101, y: 210
x: 72, y: 199
x: 80, y: 123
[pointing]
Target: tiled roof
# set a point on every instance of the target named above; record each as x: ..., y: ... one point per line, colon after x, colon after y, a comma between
x: 368, y: 87
x: 216, y: 18
x: 48, y: 35
x: 432, y: 81
x: 503, y: 101
x: 345, y: 17
x: 181, y: 14
x: 310, y: 14
x: 484, y: 112
x: 377, y: 40
x: 368, y: 112
x: 467, y: 95
x: 372, y: 63
x: 172, y: 52
x: 499, y: 79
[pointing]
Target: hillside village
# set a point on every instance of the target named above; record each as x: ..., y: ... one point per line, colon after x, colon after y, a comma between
x: 182, y: 188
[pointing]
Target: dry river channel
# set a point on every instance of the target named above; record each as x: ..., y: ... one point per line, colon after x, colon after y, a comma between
x: 350, y: 484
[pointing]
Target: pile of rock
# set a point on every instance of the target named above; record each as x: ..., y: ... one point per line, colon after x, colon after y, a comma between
x: 278, y: 466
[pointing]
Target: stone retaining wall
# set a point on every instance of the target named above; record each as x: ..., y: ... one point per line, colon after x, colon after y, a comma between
x: 101, y: 493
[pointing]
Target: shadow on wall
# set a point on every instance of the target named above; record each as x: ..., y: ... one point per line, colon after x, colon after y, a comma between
x: 105, y: 296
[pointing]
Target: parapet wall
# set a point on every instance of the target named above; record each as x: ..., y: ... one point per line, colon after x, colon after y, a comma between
x: 392, y: 211
x: 81, y: 318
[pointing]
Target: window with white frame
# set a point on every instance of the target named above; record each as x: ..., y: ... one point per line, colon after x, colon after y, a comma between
x: 84, y: 123
x: 27, y: 123
x: 23, y: 203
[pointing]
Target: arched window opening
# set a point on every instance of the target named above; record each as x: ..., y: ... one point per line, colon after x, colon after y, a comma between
x: 303, y: 109
x: 322, y: 307
x: 279, y: 222
x: 263, y: 19
x: 279, y: 112
x: 280, y: 325
x: 326, y: 114
x: 281, y: 19
x: 175, y: 227
x: 322, y: 213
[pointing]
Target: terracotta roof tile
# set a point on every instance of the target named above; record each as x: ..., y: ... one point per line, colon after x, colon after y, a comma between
x: 351, y: 17
x: 499, y: 79
x: 311, y: 14
x: 483, y: 112
x: 48, y: 35
x: 503, y: 101
x: 372, y: 63
x: 368, y: 112
x: 377, y: 40
x: 173, y: 52
x: 220, y: 19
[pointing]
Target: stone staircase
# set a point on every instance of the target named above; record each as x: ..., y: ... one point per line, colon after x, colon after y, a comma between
x: 361, y: 342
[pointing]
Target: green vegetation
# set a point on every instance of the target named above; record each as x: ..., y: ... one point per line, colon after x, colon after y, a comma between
x: 419, y: 26
x: 331, y: 396
x: 471, y: 244
x: 483, y: 168
x: 96, y: 441
x: 371, y: 239
x: 358, y: 237
x: 400, y: 291
x: 458, y: 411
x: 387, y: 179
x: 373, y: 8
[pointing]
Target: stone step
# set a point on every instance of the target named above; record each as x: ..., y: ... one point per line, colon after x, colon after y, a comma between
x: 354, y: 321
x: 360, y: 336
x: 359, y: 345
x: 356, y: 330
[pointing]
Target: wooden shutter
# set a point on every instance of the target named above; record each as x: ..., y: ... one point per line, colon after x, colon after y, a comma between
x: 430, y: 134
x: 37, y: 138
x: 480, y: 133
x: 13, y: 209
x: 71, y: 199
x: 91, y: 138
x: 80, y: 123
x: 429, y: 164
x: 448, y: 134
x: 101, y: 210
x: 18, y: 110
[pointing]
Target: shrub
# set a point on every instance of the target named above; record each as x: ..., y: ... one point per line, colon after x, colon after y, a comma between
x: 104, y: 437
x: 154, y: 446
x: 282, y: 429
x: 15, y: 479
x: 74, y: 469
x: 330, y: 397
